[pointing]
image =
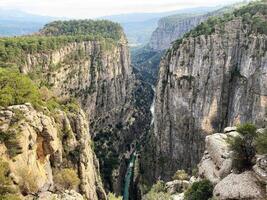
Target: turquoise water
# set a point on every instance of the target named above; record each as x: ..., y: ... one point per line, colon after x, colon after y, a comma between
x: 128, y: 176
x: 127, y: 180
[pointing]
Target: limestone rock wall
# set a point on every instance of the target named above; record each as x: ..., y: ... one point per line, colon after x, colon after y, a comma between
x: 208, y: 83
x: 98, y: 73
x: 166, y: 33
x: 44, y: 142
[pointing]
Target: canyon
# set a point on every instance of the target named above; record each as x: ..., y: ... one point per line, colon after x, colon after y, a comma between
x: 119, y: 124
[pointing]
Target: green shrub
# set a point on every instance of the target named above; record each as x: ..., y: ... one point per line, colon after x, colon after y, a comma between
x: 112, y: 196
x: 201, y: 190
x: 158, y: 192
x: 261, y: 143
x: 157, y: 196
x: 247, y: 129
x: 195, y: 171
x: 159, y: 187
x: 180, y: 175
x: 243, y: 148
x: 28, y: 183
x: 11, y: 140
x: 10, y: 197
x: 17, y: 89
x: 5, y: 180
x: 66, y: 179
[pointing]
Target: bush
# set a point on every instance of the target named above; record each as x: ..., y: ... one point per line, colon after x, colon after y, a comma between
x: 112, y: 196
x: 28, y: 183
x: 247, y: 129
x: 157, y: 196
x: 5, y: 180
x: 261, y: 143
x: 158, y: 187
x: 158, y: 192
x: 180, y: 175
x: 201, y: 190
x: 67, y: 179
x: 17, y: 89
x: 11, y: 136
x: 10, y: 197
x: 242, y: 147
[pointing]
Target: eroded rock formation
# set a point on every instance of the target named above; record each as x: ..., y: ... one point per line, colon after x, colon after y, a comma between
x: 43, y: 143
x: 208, y: 82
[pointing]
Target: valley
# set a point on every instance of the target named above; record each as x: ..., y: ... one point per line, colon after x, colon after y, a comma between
x: 85, y: 115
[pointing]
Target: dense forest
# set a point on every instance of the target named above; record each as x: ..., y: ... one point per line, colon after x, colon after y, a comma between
x: 13, y: 50
x: 103, y: 28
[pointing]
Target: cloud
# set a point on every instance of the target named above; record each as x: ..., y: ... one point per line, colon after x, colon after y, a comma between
x: 96, y: 8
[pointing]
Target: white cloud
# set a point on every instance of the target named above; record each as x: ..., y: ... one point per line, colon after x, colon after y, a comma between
x: 96, y: 8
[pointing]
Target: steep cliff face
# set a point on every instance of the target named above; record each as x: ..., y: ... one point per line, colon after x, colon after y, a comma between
x: 174, y: 27
x: 96, y: 71
x: 39, y: 145
x: 169, y: 30
x: 207, y: 82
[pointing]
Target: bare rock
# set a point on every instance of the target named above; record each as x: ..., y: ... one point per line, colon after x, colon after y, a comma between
x: 260, y: 168
x: 178, y: 196
x: 229, y: 129
x: 177, y: 186
x: 216, y: 162
x: 41, y: 149
x: 239, y: 186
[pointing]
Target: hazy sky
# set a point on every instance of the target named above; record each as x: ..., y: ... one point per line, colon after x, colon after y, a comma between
x: 96, y: 8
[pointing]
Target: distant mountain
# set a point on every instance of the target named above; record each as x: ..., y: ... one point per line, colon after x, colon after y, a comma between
x: 15, y: 22
x: 139, y: 26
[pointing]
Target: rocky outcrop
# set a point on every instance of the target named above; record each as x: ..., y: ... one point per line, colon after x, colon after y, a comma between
x: 260, y: 168
x: 177, y: 186
x: 216, y: 166
x: 208, y: 82
x: 39, y: 143
x: 239, y: 186
x: 217, y: 160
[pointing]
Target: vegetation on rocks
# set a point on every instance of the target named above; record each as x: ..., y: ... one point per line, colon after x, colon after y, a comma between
x: 201, y: 190
x: 28, y: 183
x: 180, y: 175
x: 158, y: 192
x: 66, y: 179
x: 16, y: 88
x: 14, y: 50
x: 261, y: 142
x: 112, y: 196
x: 7, y: 190
x: 250, y: 14
x: 246, y: 145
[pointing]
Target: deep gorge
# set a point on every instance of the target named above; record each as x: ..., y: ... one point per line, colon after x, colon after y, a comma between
x: 76, y: 105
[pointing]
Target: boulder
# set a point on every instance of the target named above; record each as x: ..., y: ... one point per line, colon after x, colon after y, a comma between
x: 178, y: 196
x: 177, y: 186
x: 66, y: 195
x: 216, y: 162
x: 260, y: 168
x: 229, y: 129
x: 243, y: 186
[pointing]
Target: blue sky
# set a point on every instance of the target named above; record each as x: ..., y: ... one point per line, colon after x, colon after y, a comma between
x: 96, y: 8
